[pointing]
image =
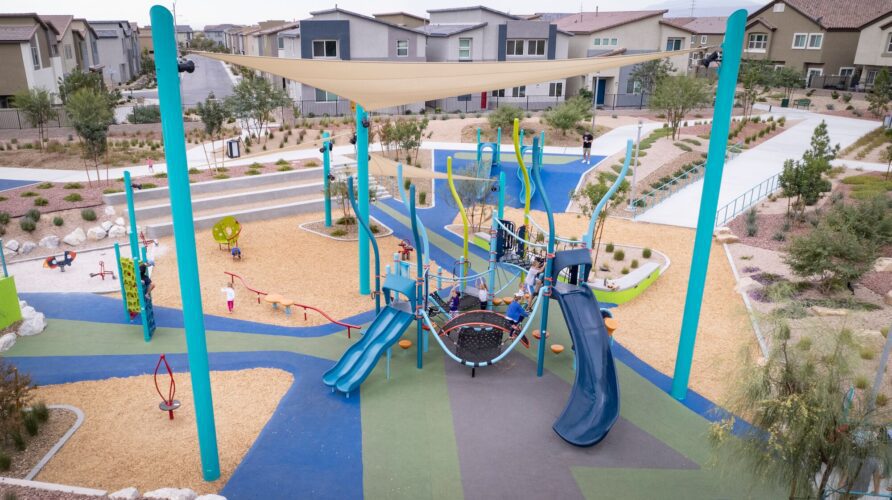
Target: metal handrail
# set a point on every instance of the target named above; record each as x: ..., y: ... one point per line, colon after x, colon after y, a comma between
x: 746, y: 200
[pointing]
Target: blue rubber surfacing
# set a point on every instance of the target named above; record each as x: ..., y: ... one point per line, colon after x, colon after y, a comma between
x: 7, y: 184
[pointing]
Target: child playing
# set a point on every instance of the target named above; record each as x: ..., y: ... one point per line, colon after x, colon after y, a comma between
x: 516, y: 314
x: 482, y: 294
x: 454, y: 299
x: 230, y: 296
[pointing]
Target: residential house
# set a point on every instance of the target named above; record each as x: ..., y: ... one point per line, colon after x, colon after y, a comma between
x: 817, y: 37
x: 874, y: 52
x: 269, y: 44
x: 86, y: 49
x: 288, y: 42
x: 118, y: 48
x: 707, y: 33
x: 479, y: 33
x: 145, y: 39
x: 403, y: 19
x: 217, y: 32
x: 28, y: 45
x: 609, y: 33
x: 230, y: 36
x: 184, y: 35
x: 239, y: 39
x: 65, y: 61
x: 341, y: 34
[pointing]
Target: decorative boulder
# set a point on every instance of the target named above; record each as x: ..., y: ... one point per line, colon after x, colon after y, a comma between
x: 28, y: 312
x: 826, y: 311
x: 117, y: 232
x: 726, y: 238
x: 211, y: 496
x: 96, y: 233
x: 119, y: 221
x: 722, y: 230
x: 130, y: 493
x: 12, y: 245
x: 27, y: 247
x: 51, y: 241
x: 75, y: 238
x: 32, y: 326
x: 106, y: 225
x: 7, y: 341
x: 883, y: 265
x: 110, y: 211
x: 172, y: 494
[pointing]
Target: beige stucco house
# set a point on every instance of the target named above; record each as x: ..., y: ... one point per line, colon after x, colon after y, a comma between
x: 874, y: 51
x: 28, y: 53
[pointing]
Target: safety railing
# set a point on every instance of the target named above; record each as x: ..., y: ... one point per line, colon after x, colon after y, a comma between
x: 754, y: 195
x: 660, y: 193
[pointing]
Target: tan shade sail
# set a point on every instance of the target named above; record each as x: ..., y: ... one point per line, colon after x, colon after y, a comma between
x: 377, y: 84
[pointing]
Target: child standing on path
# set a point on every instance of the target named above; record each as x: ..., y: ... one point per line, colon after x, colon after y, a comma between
x: 230, y: 296
x: 587, y: 139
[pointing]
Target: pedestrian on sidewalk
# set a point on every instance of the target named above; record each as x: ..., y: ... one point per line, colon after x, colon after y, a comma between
x: 587, y: 139
x: 151, y: 166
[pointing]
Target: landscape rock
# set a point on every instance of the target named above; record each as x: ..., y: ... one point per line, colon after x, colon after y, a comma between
x: 726, y: 238
x: 722, y: 230
x: 110, y: 211
x: 869, y: 336
x: 32, y: 326
x: 826, y: 311
x: 27, y: 247
x: 51, y: 241
x: 130, y: 493
x: 211, y: 496
x: 119, y: 221
x: 888, y: 298
x: 12, y: 245
x: 172, y: 494
x: 746, y: 284
x: 106, y: 225
x: 883, y: 265
x: 28, y: 312
x: 96, y: 233
x: 75, y: 238
x: 7, y: 341
x: 117, y: 232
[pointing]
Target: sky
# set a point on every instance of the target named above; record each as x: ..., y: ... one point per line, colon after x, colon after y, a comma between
x: 198, y: 13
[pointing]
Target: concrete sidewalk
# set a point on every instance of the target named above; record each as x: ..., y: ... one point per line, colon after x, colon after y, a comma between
x: 755, y: 165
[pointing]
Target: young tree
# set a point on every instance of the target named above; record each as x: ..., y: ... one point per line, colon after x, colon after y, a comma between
x: 37, y: 106
x: 755, y: 77
x: 475, y: 195
x: 407, y: 135
x: 676, y: 96
x: 77, y: 79
x: 787, y: 79
x: 253, y: 101
x: 887, y: 157
x: 213, y: 114
x: 649, y: 74
x: 147, y: 63
x: 568, y: 114
x: 91, y: 115
x: 588, y: 198
x: 804, y: 427
x: 835, y: 255
x: 804, y: 179
x: 339, y: 193
x: 879, y: 96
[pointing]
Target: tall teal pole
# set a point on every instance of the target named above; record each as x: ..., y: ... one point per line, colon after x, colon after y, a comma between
x: 326, y: 183
x: 365, y: 227
x: 419, y: 281
x: 712, y: 182
x: 549, y: 262
x: 166, y: 68
x: 362, y: 173
x: 501, y: 195
x: 131, y: 214
x: 3, y: 258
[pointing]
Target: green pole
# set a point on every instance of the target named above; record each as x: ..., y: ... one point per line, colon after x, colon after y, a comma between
x: 549, y: 262
x: 326, y: 171
x: 166, y: 68
x: 362, y: 173
x: 712, y: 182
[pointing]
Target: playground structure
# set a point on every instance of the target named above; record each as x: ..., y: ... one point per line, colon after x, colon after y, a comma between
x: 226, y: 232
x: 168, y: 403
x: 65, y: 260
x: 103, y: 272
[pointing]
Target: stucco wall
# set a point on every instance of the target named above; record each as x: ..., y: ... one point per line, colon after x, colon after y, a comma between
x: 872, y: 49
x: 13, y: 77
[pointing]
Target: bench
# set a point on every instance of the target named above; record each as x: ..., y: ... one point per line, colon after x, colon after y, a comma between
x: 802, y: 103
x: 628, y: 281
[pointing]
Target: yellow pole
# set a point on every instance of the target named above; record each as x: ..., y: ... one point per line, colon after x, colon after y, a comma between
x: 526, y: 173
x: 461, y: 207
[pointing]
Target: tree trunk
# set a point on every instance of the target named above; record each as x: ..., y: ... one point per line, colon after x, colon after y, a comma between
x: 825, y: 477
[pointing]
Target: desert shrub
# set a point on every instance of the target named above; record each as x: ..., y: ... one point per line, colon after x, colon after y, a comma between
x: 422, y: 197
x: 28, y: 194
x: 58, y: 221
x: 45, y: 185
x: 285, y: 168
x: 646, y: 253
x: 861, y: 382
x: 33, y: 214
x: 804, y: 343
x: 882, y: 399
x: 867, y: 353
x: 4, y: 218
x: 112, y: 190
x: 221, y: 176
x: 145, y: 114
x: 88, y: 214
x: 504, y: 117
x: 5, y: 461
x: 338, y: 233
x: 73, y: 197
x: 27, y: 224
x: 609, y: 248
x: 375, y: 228
x: 282, y: 162
x: 18, y: 440
x: 30, y: 422
x: 160, y: 175
x: 684, y: 147
x: 625, y: 270
x: 251, y: 171
x: 619, y: 255
x: 311, y: 163
x: 634, y: 264
x: 193, y: 171
x: 779, y: 236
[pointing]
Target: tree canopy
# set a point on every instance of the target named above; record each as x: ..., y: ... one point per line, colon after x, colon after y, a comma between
x: 649, y: 74
x: 37, y: 106
x: 677, y: 96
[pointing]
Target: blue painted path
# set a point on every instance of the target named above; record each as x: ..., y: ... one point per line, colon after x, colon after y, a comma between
x: 6, y: 184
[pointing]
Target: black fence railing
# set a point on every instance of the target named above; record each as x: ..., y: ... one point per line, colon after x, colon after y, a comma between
x: 624, y: 101
x: 13, y: 118
x: 835, y: 82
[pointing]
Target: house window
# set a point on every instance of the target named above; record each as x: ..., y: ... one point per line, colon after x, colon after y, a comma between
x: 519, y: 91
x: 633, y: 87
x: 514, y: 48
x: 498, y: 93
x: 757, y: 42
x: 281, y: 43
x: 605, y: 41
x: 35, y: 52
x: 613, y: 41
x: 674, y: 43
x: 536, y: 47
x: 811, y: 73
x: 704, y: 39
x: 95, y: 50
x: 597, y: 41
x: 815, y: 40
x: 889, y: 43
x: 325, y: 48
x: 402, y: 48
x: 464, y: 49
x: 778, y: 7
x: 847, y: 71
x: 556, y: 89
x: 799, y: 40
x: 68, y: 52
x: 871, y: 76
x: 323, y: 96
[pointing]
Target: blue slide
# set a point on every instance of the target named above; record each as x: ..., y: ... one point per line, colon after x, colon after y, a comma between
x: 359, y: 360
x: 593, y: 406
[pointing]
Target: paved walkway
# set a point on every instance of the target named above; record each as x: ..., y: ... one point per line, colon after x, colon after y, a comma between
x: 755, y: 165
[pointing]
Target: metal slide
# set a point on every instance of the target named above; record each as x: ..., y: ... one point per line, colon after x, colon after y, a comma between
x: 593, y: 406
x: 360, y: 359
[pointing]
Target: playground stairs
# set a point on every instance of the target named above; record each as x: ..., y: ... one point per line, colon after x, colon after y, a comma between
x: 248, y: 198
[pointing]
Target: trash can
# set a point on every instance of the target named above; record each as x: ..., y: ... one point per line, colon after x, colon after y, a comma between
x: 233, y: 148
x: 785, y: 102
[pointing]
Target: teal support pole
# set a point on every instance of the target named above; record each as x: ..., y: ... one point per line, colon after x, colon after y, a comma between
x: 494, y: 228
x: 712, y: 182
x: 362, y: 174
x: 367, y: 230
x: 131, y: 214
x: 121, y: 281
x: 420, y: 346
x: 497, y: 159
x: 164, y: 41
x: 326, y: 183
x: 549, y: 262
x: 501, y: 195
x: 135, y: 254
x: 3, y: 258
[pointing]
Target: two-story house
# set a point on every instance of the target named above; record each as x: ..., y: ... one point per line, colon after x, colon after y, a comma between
x: 118, y: 49
x: 817, y: 37
x: 28, y: 45
x: 65, y: 61
x: 340, y: 34
x: 609, y: 33
x: 707, y: 34
x: 874, y: 51
x: 184, y: 35
x: 217, y: 32
x: 86, y: 49
x: 403, y: 19
x: 479, y: 33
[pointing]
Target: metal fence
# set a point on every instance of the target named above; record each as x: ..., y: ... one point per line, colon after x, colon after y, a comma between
x: 836, y: 82
x: 472, y: 103
x: 738, y: 205
x: 13, y: 118
x: 624, y: 101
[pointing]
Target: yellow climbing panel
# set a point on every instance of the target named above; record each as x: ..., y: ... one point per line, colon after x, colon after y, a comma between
x: 131, y: 293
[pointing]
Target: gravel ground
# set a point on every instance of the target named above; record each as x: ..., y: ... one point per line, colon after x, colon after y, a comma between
x: 50, y: 432
x: 23, y: 493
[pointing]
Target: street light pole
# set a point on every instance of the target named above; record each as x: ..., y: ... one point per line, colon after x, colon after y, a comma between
x: 632, y: 207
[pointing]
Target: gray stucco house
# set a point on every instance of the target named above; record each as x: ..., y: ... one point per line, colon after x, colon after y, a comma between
x: 118, y: 50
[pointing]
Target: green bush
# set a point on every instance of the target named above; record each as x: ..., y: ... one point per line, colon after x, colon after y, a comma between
x: 619, y: 255
x: 609, y: 248
x: 145, y: 114
x: 27, y: 224
x: 73, y: 185
x: 251, y: 171
x: 30, y: 423
x: 88, y: 214
x: 504, y: 117
x: 285, y: 168
x: 4, y: 218
x: 882, y: 399
x: 684, y: 147
x: 45, y: 185
x: 73, y: 197
x: 804, y: 343
x: 112, y: 190
x: 867, y: 353
x: 625, y: 270
x: 779, y: 236
x: 374, y: 228
x: 339, y: 233
x: 281, y: 161
x: 5, y: 462
x: 58, y: 221
x: 194, y: 171
x: 646, y: 253
x: 861, y: 382
x: 18, y: 440
x: 28, y: 194
x: 422, y: 197
x: 634, y: 264
x: 160, y: 175
x: 33, y: 214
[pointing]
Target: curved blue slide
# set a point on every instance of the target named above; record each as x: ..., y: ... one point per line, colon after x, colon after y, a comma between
x: 360, y: 359
x: 593, y: 406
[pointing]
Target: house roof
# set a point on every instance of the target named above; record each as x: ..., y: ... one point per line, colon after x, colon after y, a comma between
x: 59, y: 23
x: 591, y: 22
x: 445, y: 30
x: 547, y: 16
x: 33, y: 16
x: 184, y: 28
x: 219, y: 27
x: 699, y: 25
x: 276, y: 29
x: 473, y: 7
x: 106, y: 33
x: 836, y: 14
x: 362, y: 16
x: 293, y: 32
x: 400, y: 13
x: 17, y: 33
x: 762, y: 21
